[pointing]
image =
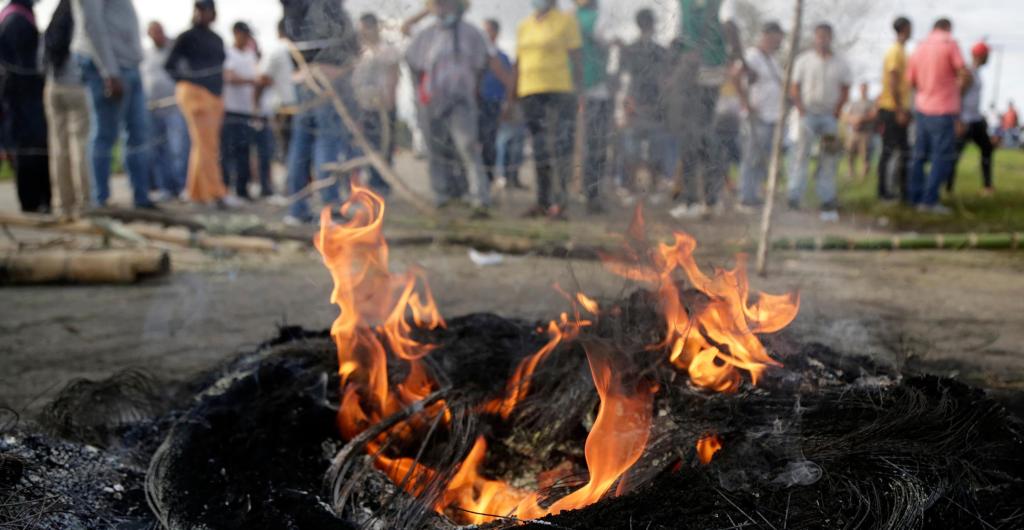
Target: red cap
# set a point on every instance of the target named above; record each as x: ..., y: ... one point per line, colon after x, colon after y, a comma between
x: 980, y: 50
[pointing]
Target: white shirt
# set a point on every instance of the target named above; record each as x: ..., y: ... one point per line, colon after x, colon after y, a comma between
x: 372, y: 76
x: 821, y: 81
x: 765, y: 93
x: 278, y: 66
x: 156, y: 81
x: 241, y: 99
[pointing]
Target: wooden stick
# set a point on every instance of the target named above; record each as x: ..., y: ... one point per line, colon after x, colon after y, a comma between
x: 776, y: 161
x: 318, y: 83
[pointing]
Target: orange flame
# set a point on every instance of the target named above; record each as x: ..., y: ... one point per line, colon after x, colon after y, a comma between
x: 716, y: 341
x: 707, y: 447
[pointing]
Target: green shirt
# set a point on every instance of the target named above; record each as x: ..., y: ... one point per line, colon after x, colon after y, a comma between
x: 701, y: 30
x: 595, y: 56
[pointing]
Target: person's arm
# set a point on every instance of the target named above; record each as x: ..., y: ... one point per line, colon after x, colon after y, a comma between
x: 795, y: 92
x: 844, y: 98
x: 411, y: 22
x: 174, y: 59
x: 500, y: 70
x: 513, y: 95
x: 95, y: 28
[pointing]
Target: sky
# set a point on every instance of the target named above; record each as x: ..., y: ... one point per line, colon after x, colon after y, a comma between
x: 866, y: 21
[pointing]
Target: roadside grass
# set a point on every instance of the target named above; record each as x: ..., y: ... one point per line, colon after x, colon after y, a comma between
x: 972, y: 212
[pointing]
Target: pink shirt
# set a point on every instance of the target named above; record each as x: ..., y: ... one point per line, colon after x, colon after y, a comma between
x: 933, y: 73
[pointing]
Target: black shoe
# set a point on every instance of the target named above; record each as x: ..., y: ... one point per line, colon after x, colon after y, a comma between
x: 794, y: 205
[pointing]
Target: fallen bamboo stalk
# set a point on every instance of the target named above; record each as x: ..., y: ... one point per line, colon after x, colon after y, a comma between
x: 136, y: 233
x: 338, y: 170
x: 122, y: 266
x: 1007, y: 241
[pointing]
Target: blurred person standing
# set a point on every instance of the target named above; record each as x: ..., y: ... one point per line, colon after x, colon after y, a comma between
x: 109, y: 48
x: 493, y: 95
x: 279, y: 97
x: 67, y: 115
x: 938, y: 73
x: 597, y: 102
x: 821, y: 87
x: 168, y: 130
x: 760, y: 89
x: 241, y: 81
x: 21, y: 104
x: 973, y: 127
x: 647, y: 65
x: 375, y: 81
x: 196, y: 63
x: 450, y: 57
x: 894, y: 117
x: 329, y: 42
x: 549, y: 74
x: 860, y: 118
x: 708, y: 29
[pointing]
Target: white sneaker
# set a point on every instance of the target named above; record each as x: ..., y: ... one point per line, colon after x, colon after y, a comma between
x: 160, y: 196
x: 829, y: 216
x: 291, y: 220
x: 233, y: 202
x: 278, y: 200
x: 687, y: 211
x: 940, y: 209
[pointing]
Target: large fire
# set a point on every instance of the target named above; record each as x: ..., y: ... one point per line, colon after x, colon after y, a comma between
x: 715, y: 342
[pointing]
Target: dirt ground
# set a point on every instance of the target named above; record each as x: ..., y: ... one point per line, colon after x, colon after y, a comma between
x: 955, y: 313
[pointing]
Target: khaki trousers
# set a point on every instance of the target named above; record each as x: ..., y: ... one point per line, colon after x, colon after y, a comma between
x: 67, y: 113
x: 204, y: 113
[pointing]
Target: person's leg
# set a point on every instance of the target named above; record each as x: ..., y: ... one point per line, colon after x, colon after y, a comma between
x: 712, y: 157
x: 204, y: 114
x: 828, y: 164
x: 943, y: 157
x: 885, y: 175
x: 243, y: 158
x: 598, y: 128
x: 463, y: 123
x: 800, y: 161
x: 328, y: 147
x: 536, y: 109
x: 32, y: 167
x: 160, y: 169
x: 137, y: 146
x: 863, y: 154
x: 752, y: 167
x: 922, y: 148
x: 490, y: 117
x: 501, y: 145
x: 516, y: 155
x: 564, y: 115
x: 76, y: 104
x: 373, y: 128
x: 104, y: 132
x: 178, y: 147
x: 300, y: 156
x: 901, y: 168
x: 979, y: 134
x: 264, y: 141
x: 58, y: 126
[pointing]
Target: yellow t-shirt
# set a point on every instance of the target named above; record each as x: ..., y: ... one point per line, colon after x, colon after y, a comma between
x: 542, y: 52
x: 895, y: 61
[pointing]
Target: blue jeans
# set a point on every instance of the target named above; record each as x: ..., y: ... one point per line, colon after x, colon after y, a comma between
x: 108, y: 116
x: 660, y: 154
x: 509, y: 158
x: 821, y: 130
x: 318, y: 138
x: 757, y: 154
x: 265, y: 146
x: 171, y: 146
x: 935, y: 142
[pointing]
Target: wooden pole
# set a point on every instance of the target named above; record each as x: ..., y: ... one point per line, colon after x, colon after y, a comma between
x: 776, y: 161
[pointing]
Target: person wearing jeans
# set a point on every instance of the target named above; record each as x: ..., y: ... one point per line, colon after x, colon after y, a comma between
x: 598, y: 104
x: 109, y: 50
x: 761, y: 99
x: 168, y: 130
x: 894, y: 116
x: 937, y: 72
x: 821, y: 87
x: 318, y: 138
x: 549, y: 65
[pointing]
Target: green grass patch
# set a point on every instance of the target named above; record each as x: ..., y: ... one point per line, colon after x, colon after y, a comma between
x: 972, y: 211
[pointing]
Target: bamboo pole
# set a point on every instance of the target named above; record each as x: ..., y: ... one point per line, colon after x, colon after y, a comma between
x: 971, y: 241
x: 124, y: 266
x: 776, y: 161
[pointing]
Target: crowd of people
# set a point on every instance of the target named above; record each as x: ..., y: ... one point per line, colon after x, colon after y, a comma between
x: 200, y: 116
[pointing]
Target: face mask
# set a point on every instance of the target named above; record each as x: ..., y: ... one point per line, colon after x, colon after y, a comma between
x: 541, y: 5
x: 450, y: 19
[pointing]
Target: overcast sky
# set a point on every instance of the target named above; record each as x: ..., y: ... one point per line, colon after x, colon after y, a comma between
x: 997, y: 20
